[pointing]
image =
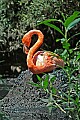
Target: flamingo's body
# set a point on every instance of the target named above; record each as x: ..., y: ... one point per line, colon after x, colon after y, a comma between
x: 41, y: 61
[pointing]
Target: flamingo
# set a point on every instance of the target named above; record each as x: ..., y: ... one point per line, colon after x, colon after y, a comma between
x: 41, y: 61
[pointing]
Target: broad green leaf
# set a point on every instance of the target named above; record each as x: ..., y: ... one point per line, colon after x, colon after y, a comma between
x: 46, y: 77
x: 63, y: 40
x: 53, y: 79
x: 50, y: 20
x: 70, y: 51
x: 77, y: 100
x: 34, y: 84
x: 38, y: 77
x: 72, y: 24
x: 78, y: 57
x: 57, y: 40
x: 64, y: 53
x: 71, y: 18
x: 45, y: 82
x: 54, y: 27
x: 66, y: 45
x: 54, y: 90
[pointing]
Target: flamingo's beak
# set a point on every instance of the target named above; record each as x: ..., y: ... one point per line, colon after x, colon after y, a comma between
x: 25, y: 49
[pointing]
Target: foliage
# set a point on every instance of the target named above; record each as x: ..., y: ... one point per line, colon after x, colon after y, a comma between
x: 20, y: 15
x: 67, y: 23
x: 68, y: 101
x: 3, y: 116
x: 35, y: 11
x: 10, y: 35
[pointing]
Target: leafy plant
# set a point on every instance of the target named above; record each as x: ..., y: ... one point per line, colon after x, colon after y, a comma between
x: 69, y: 101
x: 71, y: 98
x: 67, y: 23
x: 46, y: 83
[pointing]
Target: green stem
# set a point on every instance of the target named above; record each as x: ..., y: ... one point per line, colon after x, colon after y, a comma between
x: 65, y: 33
x: 59, y: 107
x: 59, y: 97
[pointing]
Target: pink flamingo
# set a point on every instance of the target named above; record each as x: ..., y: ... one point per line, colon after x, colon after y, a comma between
x: 41, y: 61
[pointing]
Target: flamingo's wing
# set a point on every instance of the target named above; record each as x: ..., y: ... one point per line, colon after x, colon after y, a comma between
x: 42, y: 58
x: 55, y: 58
x: 46, y: 62
x: 48, y: 59
x: 38, y: 58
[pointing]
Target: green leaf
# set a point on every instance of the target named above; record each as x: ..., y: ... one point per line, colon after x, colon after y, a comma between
x: 72, y: 24
x: 66, y: 45
x: 34, y: 84
x: 57, y: 40
x: 63, y: 16
x: 54, y: 90
x: 70, y: 51
x: 54, y: 27
x: 77, y: 100
x: 53, y: 79
x: 78, y: 57
x: 63, y: 40
x: 38, y: 77
x: 47, y: 22
x: 50, y: 20
x: 45, y: 82
x: 71, y: 18
x: 64, y: 53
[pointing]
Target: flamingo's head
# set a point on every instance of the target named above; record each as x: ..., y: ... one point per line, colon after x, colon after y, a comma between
x: 26, y: 40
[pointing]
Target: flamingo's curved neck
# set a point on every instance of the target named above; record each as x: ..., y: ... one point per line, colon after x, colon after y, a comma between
x: 34, y: 47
